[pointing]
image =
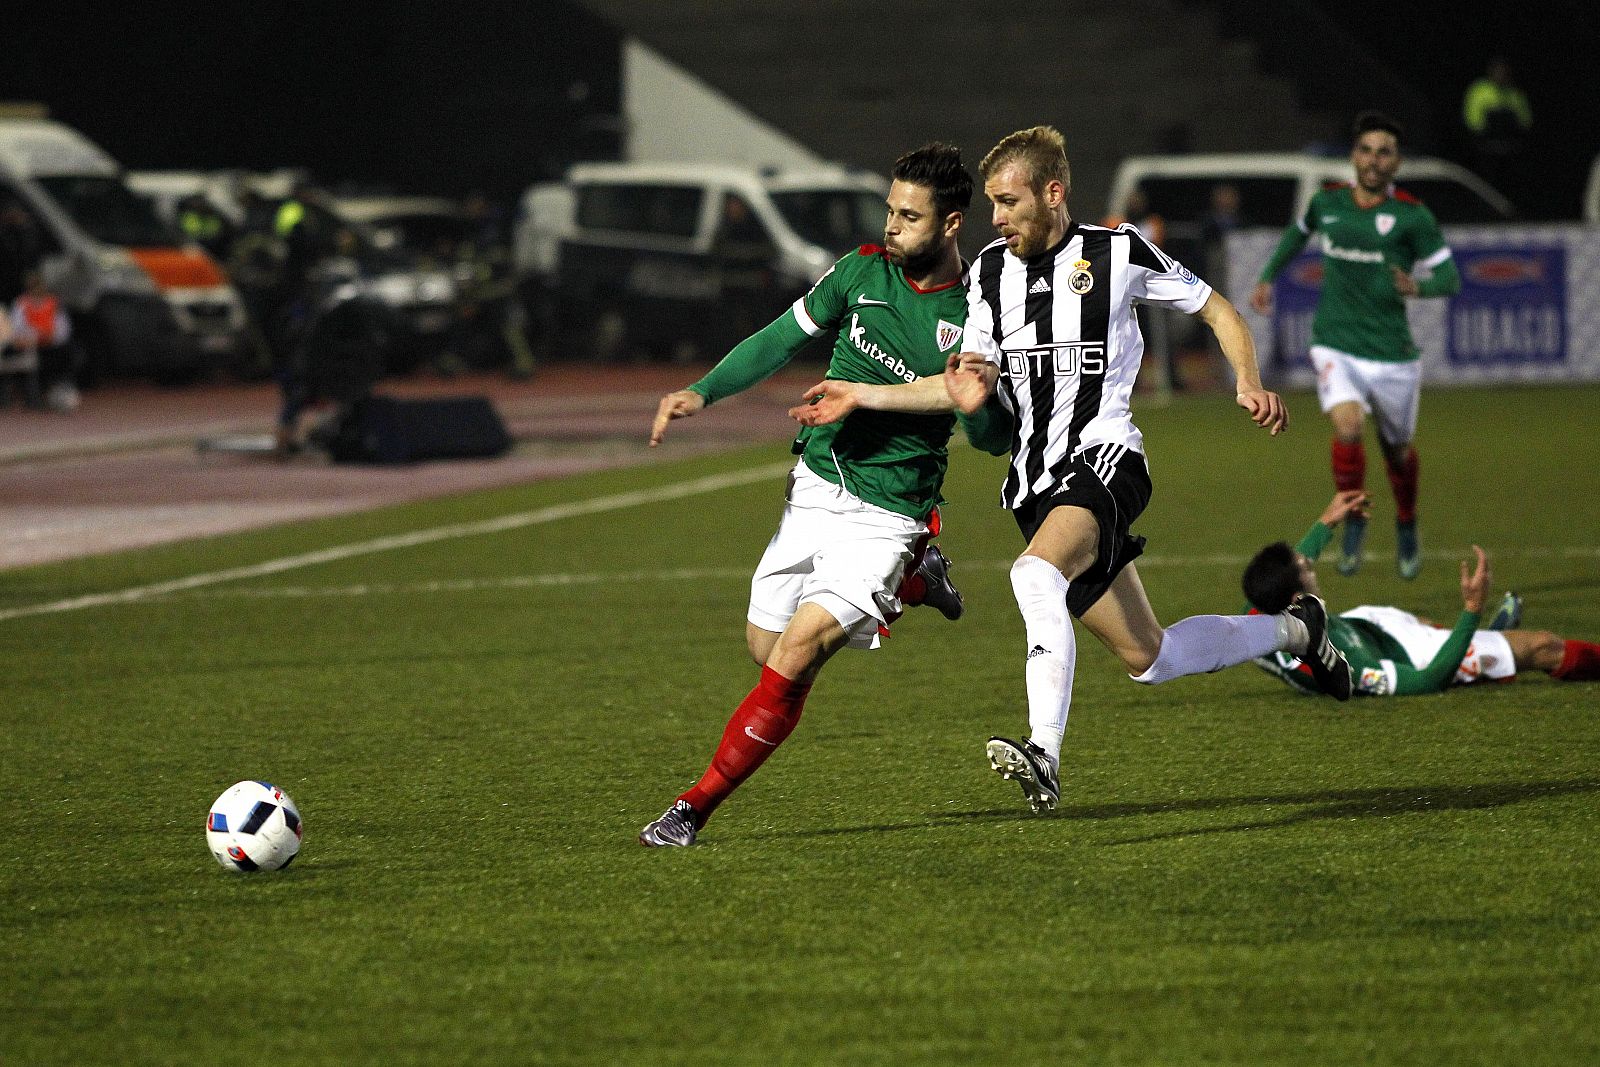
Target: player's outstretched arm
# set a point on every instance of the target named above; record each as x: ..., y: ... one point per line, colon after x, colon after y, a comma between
x: 1266, y: 408
x: 969, y: 380
x: 1345, y: 503
x: 831, y: 400
x: 678, y: 405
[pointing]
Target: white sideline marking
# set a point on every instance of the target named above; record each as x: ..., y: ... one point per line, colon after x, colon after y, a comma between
x: 554, y: 513
x: 742, y: 574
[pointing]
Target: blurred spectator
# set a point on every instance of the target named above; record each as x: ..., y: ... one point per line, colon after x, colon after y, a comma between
x: 487, y: 232
x: 39, y: 322
x: 491, y: 314
x: 740, y: 236
x: 1136, y: 209
x: 1498, y: 119
x: 1154, y: 324
x: 16, y: 363
x: 203, y: 224
x: 21, y: 248
x: 254, y: 259
x: 289, y: 309
x: 1222, y: 218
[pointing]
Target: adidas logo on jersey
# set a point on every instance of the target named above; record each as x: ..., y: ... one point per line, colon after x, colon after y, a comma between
x: 1040, y: 286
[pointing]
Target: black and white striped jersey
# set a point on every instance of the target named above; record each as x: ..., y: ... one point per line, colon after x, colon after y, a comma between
x: 1061, y: 327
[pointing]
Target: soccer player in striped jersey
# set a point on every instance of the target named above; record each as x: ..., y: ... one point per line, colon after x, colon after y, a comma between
x: 1050, y: 320
x: 860, y: 500
x: 1393, y: 652
x: 1373, y: 236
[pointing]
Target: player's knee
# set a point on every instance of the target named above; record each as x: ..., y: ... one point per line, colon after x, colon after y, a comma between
x: 1033, y: 577
x: 799, y: 659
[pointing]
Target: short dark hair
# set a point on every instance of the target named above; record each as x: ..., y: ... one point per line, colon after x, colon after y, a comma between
x: 1272, y: 579
x: 1368, y: 121
x: 937, y: 166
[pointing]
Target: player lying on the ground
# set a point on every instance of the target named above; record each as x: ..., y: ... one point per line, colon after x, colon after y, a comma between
x: 1395, y: 653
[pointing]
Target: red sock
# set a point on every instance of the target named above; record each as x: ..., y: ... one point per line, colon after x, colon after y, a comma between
x: 913, y: 587
x: 1404, y: 480
x: 1580, y: 662
x: 1349, y: 465
x: 757, y: 728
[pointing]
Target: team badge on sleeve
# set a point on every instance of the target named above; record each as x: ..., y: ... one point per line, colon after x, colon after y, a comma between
x: 1374, y: 681
x: 1080, y: 281
x: 947, y: 334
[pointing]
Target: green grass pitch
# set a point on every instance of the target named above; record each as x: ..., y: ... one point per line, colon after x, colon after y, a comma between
x: 475, y: 727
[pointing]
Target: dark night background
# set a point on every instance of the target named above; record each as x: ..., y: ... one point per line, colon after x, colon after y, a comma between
x: 444, y: 98
x: 422, y: 97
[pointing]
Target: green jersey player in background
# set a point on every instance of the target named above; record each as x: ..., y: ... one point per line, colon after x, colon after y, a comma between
x: 1373, y: 236
x: 1393, y: 652
x: 861, y: 501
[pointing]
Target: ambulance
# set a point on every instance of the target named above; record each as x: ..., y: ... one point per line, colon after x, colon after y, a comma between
x: 144, y: 300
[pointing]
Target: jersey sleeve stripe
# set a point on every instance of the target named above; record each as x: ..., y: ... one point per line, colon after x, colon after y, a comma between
x: 1436, y: 259
x: 1141, y: 253
x: 803, y: 317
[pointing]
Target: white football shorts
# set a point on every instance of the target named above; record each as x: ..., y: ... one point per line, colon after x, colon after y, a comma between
x: 837, y: 551
x: 1389, y: 392
x: 1488, y: 657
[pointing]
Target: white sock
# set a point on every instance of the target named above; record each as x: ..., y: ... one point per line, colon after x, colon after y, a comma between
x: 1292, y: 635
x: 1041, y: 593
x: 1204, y: 643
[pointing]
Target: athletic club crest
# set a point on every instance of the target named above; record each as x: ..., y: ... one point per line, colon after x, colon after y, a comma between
x: 948, y: 334
x: 1385, y: 223
x: 1080, y: 281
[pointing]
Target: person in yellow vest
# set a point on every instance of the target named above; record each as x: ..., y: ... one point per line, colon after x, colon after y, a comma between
x: 203, y: 224
x: 1499, y: 119
x: 289, y: 311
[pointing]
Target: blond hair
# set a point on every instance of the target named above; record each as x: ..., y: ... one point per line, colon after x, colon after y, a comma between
x: 1042, y: 152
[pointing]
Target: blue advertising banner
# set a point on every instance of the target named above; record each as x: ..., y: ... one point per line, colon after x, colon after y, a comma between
x: 1511, y: 308
x: 1526, y: 311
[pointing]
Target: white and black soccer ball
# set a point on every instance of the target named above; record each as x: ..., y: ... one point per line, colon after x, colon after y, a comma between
x: 254, y: 826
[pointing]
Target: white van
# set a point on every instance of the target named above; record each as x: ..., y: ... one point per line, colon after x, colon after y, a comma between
x: 144, y: 300
x: 682, y: 257
x: 1275, y: 187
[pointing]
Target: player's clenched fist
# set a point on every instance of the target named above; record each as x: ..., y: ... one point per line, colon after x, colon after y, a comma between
x: 969, y: 379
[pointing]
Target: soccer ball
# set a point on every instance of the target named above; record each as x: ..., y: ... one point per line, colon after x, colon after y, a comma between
x: 254, y: 826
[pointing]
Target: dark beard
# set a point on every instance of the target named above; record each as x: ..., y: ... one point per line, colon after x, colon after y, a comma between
x: 919, y: 264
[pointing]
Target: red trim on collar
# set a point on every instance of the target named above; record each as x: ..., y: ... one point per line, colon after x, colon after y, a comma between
x: 936, y: 289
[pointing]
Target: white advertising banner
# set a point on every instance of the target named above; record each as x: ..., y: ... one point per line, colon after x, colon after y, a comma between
x: 1528, y: 310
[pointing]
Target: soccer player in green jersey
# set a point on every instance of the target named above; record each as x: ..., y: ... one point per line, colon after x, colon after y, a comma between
x: 1393, y: 652
x: 860, y: 500
x: 1373, y: 236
